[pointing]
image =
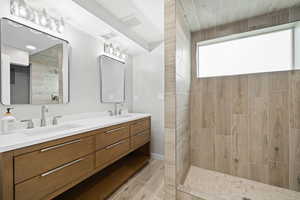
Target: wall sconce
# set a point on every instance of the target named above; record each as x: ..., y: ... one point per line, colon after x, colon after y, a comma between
x: 21, y: 9
x: 115, y: 51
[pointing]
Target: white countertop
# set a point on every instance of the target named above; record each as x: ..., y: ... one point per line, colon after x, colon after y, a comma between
x: 24, y: 138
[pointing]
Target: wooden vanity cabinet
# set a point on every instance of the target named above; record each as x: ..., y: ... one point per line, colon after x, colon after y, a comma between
x: 112, y: 135
x: 46, y: 170
x: 29, y: 165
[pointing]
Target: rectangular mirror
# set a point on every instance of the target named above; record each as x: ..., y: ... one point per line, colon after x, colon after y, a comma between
x: 34, y: 67
x: 112, y: 73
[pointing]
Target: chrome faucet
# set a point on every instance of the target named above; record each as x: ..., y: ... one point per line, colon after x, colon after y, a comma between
x: 111, y: 113
x: 30, y: 124
x: 55, y: 120
x: 44, y: 110
x: 115, y: 109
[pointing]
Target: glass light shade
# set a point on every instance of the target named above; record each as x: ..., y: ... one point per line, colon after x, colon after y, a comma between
x: 118, y: 52
x: 53, y: 24
x: 20, y: 8
x: 23, y: 12
x: 111, y: 49
x: 36, y: 17
x: 61, y: 25
x: 61, y: 28
x: 44, y: 18
x: 14, y: 8
x: 31, y: 15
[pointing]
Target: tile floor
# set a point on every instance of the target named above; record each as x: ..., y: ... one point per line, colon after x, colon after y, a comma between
x: 148, y: 184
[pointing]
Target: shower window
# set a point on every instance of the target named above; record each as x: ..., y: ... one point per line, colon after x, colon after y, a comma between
x: 254, y: 53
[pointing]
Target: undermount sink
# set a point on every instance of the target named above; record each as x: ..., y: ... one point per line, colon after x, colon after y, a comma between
x: 51, y: 129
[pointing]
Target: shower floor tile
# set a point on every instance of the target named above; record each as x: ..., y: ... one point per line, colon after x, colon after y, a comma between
x: 211, y: 185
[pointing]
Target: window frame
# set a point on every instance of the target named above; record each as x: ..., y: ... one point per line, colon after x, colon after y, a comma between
x: 237, y: 36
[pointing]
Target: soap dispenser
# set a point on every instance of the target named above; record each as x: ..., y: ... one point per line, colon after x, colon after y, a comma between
x: 7, y: 121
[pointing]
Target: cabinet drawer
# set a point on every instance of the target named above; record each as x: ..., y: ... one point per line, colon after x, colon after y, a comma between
x: 112, y: 152
x: 112, y: 136
x: 41, y: 186
x: 140, y: 139
x: 35, y: 163
x: 139, y: 126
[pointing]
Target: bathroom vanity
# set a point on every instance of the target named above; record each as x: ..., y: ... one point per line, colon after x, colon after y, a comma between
x: 42, y: 164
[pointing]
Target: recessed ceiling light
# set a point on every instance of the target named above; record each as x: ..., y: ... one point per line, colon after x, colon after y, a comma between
x: 30, y: 47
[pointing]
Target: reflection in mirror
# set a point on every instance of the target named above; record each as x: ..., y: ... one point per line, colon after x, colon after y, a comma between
x: 34, y: 67
x: 112, y: 80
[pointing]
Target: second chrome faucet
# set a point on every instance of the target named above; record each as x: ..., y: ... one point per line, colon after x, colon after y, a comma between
x: 44, y: 110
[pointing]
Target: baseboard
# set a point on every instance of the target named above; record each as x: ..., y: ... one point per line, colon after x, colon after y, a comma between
x: 157, y: 156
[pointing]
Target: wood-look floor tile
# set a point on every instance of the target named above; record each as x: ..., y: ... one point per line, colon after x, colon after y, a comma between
x: 148, y: 184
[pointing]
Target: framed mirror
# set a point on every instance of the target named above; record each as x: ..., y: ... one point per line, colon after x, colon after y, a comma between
x: 112, y: 74
x: 34, y: 67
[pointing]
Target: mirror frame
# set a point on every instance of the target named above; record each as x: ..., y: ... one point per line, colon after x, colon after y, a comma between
x: 101, y: 83
x: 66, y: 99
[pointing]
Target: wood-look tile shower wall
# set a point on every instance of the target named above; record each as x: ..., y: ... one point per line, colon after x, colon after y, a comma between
x: 248, y: 125
x: 177, y: 97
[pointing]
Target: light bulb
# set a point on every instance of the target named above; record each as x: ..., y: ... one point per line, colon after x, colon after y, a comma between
x: 14, y: 8
x: 111, y: 49
x: 43, y: 21
x: 44, y: 18
x: 61, y: 26
x: 36, y: 17
x: 118, y: 53
x: 31, y: 15
x: 53, y: 24
x: 23, y: 11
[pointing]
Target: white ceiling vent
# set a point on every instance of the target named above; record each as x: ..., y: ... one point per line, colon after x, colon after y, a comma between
x: 109, y: 36
x: 131, y: 21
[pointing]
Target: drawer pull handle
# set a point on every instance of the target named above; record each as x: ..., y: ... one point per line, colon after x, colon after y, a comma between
x: 116, y: 144
x: 62, y: 167
x: 140, y: 134
x: 138, y: 123
x: 60, y: 145
x: 117, y: 129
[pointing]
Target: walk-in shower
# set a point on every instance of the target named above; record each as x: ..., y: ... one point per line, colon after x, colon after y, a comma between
x: 232, y: 99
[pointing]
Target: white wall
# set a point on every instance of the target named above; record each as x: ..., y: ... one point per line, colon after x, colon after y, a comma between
x: 84, y: 76
x: 148, y: 93
x: 16, y: 56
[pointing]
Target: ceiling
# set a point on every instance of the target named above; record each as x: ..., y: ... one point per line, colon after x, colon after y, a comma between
x: 134, y: 25
x: 143, y: 17
x: 202, y: 14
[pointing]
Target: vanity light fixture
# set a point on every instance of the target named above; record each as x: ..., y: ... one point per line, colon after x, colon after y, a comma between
x: 30, y: 47
x: 20, y: 8
x: 115, y: 51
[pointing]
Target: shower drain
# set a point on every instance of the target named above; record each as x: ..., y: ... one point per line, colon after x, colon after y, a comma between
x: 245, y: 198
